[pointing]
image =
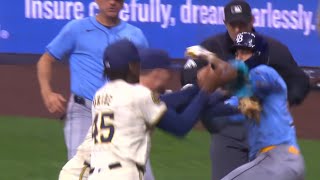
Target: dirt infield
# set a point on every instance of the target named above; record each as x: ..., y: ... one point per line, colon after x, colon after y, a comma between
x: 20, y: 96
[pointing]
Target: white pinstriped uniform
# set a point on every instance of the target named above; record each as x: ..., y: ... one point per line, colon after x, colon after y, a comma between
x: 124, y: 115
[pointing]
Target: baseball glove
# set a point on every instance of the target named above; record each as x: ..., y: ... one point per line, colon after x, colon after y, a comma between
x: 251, y: 108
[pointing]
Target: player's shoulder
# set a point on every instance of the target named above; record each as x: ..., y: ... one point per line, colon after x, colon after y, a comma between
x: 264, y: 69
x: 130, y: 27
x: 141, y: 90
x: 144, y: 94
x: 76, y: 24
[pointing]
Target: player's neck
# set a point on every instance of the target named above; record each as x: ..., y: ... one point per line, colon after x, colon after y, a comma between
x: 107, y: 21
x: 145, y: 81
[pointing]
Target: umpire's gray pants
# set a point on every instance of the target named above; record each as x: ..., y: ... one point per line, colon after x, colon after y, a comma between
x: 229, y: 150
x: 278, y: 163
x: 77, y: 123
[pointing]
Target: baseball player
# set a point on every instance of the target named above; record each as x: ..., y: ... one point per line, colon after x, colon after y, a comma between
x: 274, y: 152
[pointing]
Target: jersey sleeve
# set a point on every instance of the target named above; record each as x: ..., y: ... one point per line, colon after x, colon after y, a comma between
x: 152, y: 108
x: 63, y: 43
x: 264, y: 80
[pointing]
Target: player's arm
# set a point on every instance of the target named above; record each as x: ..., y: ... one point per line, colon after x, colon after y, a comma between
x: 59, y: 47
x: 180, y: 124
x: 224, y: 70
x: 179, y: 99
x: 53, y: 101
x: 156, y: 113
x: 219, y: 115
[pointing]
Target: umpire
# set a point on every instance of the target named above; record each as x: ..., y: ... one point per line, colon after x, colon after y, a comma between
x: 229, y: 148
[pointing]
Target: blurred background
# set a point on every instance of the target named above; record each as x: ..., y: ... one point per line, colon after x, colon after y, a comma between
x: 32, y: 144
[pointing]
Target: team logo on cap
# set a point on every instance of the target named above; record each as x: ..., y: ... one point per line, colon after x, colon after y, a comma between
x: 236, y: 9
x: 239, y: 38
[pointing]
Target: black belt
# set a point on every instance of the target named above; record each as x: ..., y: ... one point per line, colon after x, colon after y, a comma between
x: 118, y: 165
x: 79, y: 100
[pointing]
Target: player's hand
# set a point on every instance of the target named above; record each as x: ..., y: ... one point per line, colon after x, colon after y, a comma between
x: 198, y: 52
x: 54, y: 102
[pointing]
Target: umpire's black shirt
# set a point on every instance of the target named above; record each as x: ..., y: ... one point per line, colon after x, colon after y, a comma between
x: 272, y: 53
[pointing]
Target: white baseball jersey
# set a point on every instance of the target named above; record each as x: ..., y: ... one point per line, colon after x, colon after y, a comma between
x: 124, y: 116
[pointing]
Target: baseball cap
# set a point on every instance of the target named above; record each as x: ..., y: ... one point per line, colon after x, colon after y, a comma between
x: 245, y: 40
x: 237, y: 11
x: 156, y: 58
x: 119, y: 54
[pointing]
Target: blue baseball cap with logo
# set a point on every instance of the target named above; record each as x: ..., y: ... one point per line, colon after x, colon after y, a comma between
x: 119, y: 54
x: 156, y: 59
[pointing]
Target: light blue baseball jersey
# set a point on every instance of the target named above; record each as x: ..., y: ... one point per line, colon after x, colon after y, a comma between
x: 276, y: 123
x: 83, y: 42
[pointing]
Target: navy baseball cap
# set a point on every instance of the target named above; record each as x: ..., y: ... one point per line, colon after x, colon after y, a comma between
x: 119, y: 54
x: 156, y: 58
x: 237, y: 11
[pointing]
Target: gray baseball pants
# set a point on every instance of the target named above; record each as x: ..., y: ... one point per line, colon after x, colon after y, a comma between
x: 281, y: 163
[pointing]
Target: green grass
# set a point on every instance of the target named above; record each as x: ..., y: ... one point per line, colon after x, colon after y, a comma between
x: 33, y: 149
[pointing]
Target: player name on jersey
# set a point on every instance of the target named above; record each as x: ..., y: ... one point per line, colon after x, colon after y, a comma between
x: 103, y: 99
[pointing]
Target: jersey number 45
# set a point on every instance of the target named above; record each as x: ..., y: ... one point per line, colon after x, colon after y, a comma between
x: 103, y: 129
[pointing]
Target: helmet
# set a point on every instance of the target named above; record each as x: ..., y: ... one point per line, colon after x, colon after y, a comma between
x: 245, y: 40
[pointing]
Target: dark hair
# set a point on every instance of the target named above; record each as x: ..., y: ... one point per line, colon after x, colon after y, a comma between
x: 116, y: 74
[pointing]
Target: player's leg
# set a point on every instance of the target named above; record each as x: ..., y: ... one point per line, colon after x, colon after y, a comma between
x: 78, y: 121
x: 148, y: 174
x: 75, y: 169
x: 289, y: 163
x: 278, y: 164
x: 253, y: 169
x: 78, y: 167
x: 229, y: 150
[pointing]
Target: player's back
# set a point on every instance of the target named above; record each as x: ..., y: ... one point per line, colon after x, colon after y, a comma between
x: 276, y: 123
x: 119, y: 129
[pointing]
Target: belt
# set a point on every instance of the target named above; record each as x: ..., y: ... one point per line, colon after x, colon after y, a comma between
x: 118, y: 165
x: 86, y: 166
x: 79, y: 100
x: 291, y: 149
